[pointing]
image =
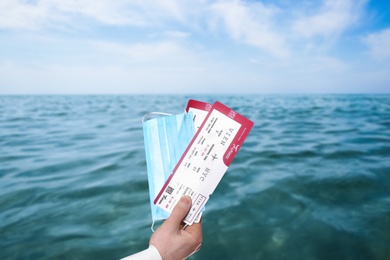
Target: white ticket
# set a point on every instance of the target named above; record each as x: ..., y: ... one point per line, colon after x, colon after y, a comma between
x: 205, y: 160
x: 199, y: 110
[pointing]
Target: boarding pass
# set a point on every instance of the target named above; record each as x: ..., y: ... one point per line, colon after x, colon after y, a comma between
x: 199, y: 111
x: 205, y: 160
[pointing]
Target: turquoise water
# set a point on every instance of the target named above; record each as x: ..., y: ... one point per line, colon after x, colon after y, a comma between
x: 312, y: 181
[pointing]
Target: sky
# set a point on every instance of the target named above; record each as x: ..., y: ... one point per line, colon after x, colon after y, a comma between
x: 184, y: 46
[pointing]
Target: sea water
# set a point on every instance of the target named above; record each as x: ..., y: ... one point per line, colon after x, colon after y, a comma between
x: 312, y: 180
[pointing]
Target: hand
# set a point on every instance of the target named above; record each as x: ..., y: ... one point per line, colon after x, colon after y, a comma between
x: 173, y: 242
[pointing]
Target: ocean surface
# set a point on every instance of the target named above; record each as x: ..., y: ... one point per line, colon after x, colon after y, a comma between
x: 312, y: 180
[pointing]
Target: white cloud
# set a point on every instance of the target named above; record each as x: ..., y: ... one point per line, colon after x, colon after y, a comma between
x: 177, y: 34
x: 170, y: 8
x: 19, y: 14
x: 22, y: 14
x: 379, y: 44
x: 142, y: 51
x: 251, y: 24
x: 188, y: 13
x: 332, y: 18
x: 119, y: 12
x: 174, y: 35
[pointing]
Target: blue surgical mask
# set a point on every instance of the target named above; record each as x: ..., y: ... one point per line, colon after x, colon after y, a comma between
x: 166, y: 139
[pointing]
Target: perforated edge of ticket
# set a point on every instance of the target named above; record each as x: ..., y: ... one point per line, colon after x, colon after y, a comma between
x: 205, y: 160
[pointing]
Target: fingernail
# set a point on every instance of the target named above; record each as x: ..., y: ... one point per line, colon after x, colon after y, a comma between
x: 186, y: 199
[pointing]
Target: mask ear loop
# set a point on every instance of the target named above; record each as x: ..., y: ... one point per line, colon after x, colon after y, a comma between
x: 153, y: 223
x: 152, y: 226
x: 155, y: 113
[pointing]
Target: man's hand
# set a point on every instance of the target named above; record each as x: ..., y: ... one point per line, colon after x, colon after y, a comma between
x: 173, y: 242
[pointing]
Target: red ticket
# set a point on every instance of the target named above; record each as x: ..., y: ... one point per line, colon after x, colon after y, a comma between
x: 199, y: 110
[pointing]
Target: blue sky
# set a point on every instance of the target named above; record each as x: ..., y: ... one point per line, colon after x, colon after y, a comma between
x: 183, y: 46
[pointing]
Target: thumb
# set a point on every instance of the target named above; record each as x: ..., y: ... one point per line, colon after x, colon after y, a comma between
x: 180, y: 211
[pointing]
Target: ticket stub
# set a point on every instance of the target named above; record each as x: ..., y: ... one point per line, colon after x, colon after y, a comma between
x: 205, y: 160
x: 199, y: 110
